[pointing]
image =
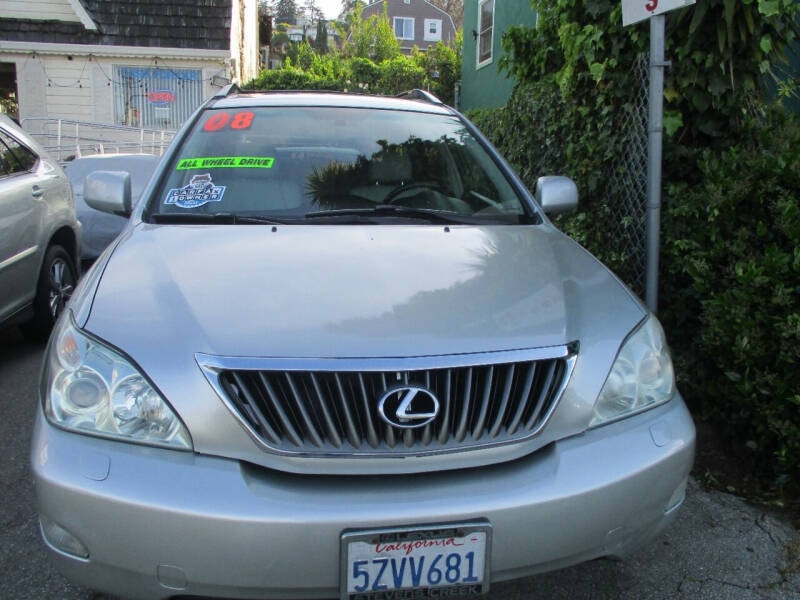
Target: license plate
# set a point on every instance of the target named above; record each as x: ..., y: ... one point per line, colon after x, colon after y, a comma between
x: 412, y: 563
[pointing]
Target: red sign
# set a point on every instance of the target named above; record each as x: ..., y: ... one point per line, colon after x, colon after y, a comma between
x: 161, y: 97
x: 241, y: 120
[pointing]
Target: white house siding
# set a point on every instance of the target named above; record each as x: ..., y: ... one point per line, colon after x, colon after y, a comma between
x: 79, y: 89
x: 38, y: 9
x: 68, y: 90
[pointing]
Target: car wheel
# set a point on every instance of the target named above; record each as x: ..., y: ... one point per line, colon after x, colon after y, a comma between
x: 57, y: 281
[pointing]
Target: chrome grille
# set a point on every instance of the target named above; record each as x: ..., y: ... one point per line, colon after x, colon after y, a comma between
x: 331, y: 411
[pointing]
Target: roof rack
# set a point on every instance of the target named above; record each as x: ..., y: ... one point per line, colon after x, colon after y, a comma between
x: 418, y: 94
x: 229, y: 89
x: 415, y: 94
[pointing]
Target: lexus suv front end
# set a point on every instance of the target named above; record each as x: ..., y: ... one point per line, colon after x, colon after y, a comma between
x: 339, y: 351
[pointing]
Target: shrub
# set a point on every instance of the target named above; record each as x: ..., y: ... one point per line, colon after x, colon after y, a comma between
x: 730, y: 275
x: 731, y: 280
x: 365, y: 72
x: 290, y: 78
x: 731, y: 264
x: 399, y: 74
x: 442, y: 66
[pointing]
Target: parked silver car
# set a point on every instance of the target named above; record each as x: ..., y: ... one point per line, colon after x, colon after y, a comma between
x: 339, y: 350
x: 39, y: 234
x: 99, y: 228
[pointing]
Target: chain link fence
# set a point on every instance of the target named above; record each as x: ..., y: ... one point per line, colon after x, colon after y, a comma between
x: 629, y: 184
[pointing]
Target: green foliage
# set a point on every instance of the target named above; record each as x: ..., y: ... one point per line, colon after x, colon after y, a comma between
x: 729, y: 47
x: 372, y: 37
x: 400, y: 73
x: 442, y: 67
x: 302, y: 55
x: 286, y: 11
x: 279, y: 39
x: 731, y: 264
x: 321, y: 41
x: 370, y: 63
x: 720, y: 50
x: 291, y: 78
x: 364, y: 73
x: 731, y: 276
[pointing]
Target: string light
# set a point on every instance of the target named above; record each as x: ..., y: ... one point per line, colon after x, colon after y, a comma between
x: 140, y: 81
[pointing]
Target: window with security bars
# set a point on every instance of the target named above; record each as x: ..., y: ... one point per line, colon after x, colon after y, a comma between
x: 156, y: 97
x: 485, y: 29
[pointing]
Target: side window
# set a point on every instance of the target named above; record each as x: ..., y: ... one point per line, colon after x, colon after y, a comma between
x: 485, y: 29
x: 5, y: 157
x: 18, y: 157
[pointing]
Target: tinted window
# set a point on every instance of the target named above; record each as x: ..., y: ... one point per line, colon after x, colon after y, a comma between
x: 293, y: 160
x: 18, y: 157
x: 5, y: 156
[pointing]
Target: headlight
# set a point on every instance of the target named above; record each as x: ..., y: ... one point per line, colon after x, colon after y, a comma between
x: 91, y: 388
x: 641, y: 378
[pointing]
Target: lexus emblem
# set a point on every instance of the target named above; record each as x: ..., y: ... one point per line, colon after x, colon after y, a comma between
x: 408, y: 406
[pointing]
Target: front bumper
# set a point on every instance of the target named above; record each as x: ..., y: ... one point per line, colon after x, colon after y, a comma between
x: 159, y: 523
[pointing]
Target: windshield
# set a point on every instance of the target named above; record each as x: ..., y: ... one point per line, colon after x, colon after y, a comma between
x: 299, y: 163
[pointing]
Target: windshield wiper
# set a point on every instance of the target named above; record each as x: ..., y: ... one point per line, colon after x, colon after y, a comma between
x: 221, y: 218
x: 394, y: 210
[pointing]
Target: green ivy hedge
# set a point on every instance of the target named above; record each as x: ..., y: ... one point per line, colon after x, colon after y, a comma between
x: 731, y: 281
x: 730, y: 277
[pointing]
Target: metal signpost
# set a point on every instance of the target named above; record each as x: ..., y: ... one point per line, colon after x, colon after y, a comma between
x: 634, y: 11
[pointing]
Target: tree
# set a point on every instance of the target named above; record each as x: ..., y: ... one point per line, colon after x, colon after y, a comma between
x: 286, y: 11
x: 348, y: 6
x: 312, y: 12
x: 455, y: 8
x: 321, y: 41
x: 371, y: 37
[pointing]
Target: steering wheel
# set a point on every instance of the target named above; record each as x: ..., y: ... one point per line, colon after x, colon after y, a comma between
x: 405, y: 187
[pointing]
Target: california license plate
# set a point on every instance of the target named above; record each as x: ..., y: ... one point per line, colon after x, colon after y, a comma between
x: 412, y: 563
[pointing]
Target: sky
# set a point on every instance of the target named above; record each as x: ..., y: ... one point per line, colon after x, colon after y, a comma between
x: 331, y: 8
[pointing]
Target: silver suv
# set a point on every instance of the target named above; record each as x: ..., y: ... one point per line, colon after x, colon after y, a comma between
x: 339, y: 350
x: 39, y: 234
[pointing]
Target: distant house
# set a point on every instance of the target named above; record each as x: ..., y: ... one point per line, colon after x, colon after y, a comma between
x: 415, y: 22
x: 482, y: 84
x: 135, y: 63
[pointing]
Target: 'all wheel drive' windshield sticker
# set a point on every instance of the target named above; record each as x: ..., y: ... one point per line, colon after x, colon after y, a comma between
x: 199, y: 191
x: 231, y: 162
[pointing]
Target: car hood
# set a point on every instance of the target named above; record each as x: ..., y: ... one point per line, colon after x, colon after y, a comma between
x: 353, y: 291
x: 168, y: 292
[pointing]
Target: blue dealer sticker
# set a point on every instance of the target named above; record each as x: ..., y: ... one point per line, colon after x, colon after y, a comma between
x: 199, y: 191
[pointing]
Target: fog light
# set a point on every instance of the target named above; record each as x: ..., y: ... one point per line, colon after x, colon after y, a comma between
x: 61, y: 539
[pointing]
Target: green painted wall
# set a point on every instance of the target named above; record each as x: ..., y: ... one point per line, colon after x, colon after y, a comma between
x: 486, y: 87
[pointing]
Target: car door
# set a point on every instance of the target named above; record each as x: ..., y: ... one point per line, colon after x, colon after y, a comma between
x: 22, y: 212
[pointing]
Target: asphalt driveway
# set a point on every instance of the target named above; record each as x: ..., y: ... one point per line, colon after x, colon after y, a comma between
x: 719, y: 548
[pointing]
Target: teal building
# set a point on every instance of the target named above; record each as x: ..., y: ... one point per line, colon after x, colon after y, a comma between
x: 482, y: 83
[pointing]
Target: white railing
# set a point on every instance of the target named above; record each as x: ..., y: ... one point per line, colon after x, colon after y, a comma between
x: 65, y: 139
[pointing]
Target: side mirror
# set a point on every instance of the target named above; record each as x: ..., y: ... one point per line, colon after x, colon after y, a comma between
x: 109, y: 191
x: 556, y: 194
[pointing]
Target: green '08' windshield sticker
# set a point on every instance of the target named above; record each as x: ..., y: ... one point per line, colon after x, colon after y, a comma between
x: 231, y: 162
